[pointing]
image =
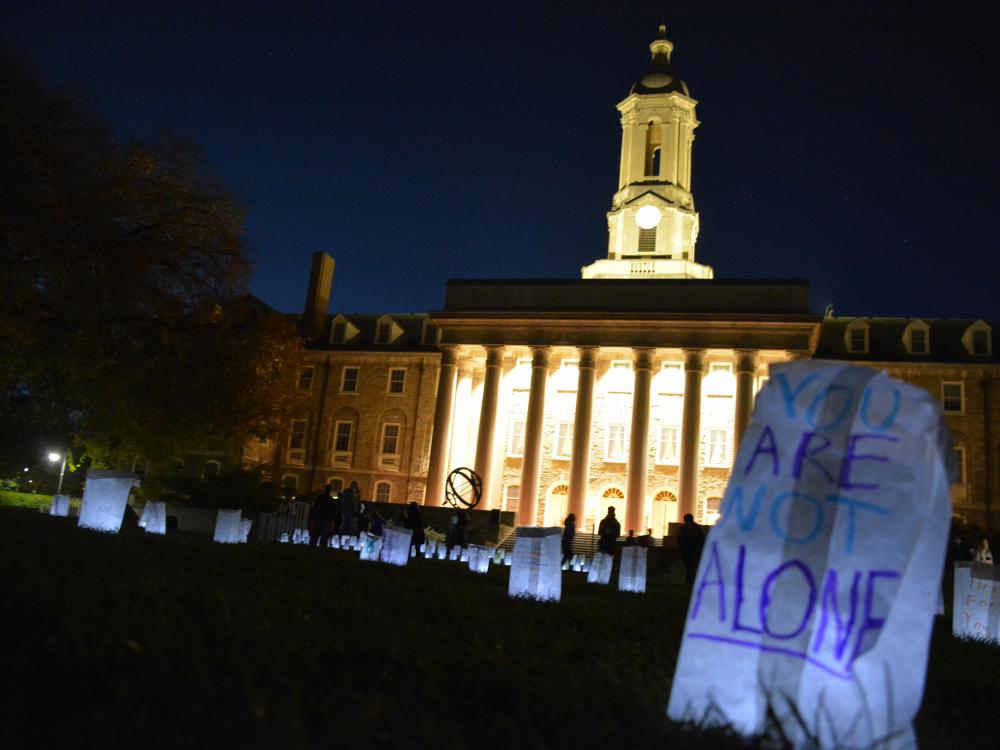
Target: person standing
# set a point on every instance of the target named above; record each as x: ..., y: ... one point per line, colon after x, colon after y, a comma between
x: 569, y: 531
x: 349, y: 500
x: 320, y: 516
x: 983, y: 553
x: 415, y: 523
x: 608, y: 532
x: 690, y: 541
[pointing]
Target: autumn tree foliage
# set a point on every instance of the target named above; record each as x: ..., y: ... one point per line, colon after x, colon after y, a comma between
x: 125, y: 321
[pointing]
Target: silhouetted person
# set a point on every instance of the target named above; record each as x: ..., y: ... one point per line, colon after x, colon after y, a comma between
x: 608, y: 532
x: 459, y: 534
x: 415, y: 524
x: 349, y: 500
x: 569, y: 531
x: 982, y: 553
x: 630, y: 540
x: 690, y: 541
x: 320, y: 516
x: 646, y: 540
x: 378, y: 522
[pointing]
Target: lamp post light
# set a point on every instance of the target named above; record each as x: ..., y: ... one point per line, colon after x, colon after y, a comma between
x: 53, y: 457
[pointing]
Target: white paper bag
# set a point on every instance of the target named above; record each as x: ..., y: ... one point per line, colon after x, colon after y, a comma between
x: 455, y: 553
x: 815, y: 594
x: 104, y: 498
x: 463, y: 554
x: 508, y: 559
x: 245, y: 525
x: 976, y: 612
x: 284, y: 537
x: 334, y: 542
x: 396, y: 545
x: 227, y: 526
x: 479, y: 558
x: 154, y: 518
x: 632, y: 570
x: 371, y: 546
x: 430, y: 549
x: 442, y: 552
x: 600, y: 568
x: 59, y: 506
x: 535, y: 570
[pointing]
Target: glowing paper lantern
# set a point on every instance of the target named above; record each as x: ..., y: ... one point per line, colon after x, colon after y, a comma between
x: 600, y: 568
x: 245, y: 525
x: 585, y: 565
x: 632, y: 570
x: 577, y: 563
x: 535, y: 571
x: 442, y: 552
x: 334, y: 542
x: 454, y: 553
x: 60, y: 505
x: 976, y: 613
x: 464, y: 554
x: 154, y: 518
x: 479, y: 558
x: 104, y: 498
x: 396, y: 545
x: 430, y: 549
x: 371, y: 546
x: 227, y: 526
x: 814, y: 598
x: 508, y: 559
x: 345, y: 542
x: 284, y: 537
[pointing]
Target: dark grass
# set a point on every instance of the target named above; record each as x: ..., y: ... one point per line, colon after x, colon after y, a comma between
x: 141, y: 641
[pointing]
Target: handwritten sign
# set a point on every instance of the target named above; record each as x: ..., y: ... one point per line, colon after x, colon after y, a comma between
x: 600, y: 568
x: 815, y: 595
x: 535, y: 571
x: 370, y: 546
x: 105, y: 496
x: 632, y: 573
x: 977, y: 601
x: 227, y: 526
x: 396, y: 545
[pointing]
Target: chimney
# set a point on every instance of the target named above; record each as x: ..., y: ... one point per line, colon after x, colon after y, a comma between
x: 318, y: 294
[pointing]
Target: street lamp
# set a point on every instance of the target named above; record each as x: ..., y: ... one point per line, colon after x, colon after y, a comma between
x: 53, y: 457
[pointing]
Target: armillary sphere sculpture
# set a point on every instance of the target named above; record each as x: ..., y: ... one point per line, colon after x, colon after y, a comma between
x: 464, y: 488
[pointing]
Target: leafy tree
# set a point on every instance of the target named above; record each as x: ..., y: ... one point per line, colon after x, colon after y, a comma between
x: 124, y: 318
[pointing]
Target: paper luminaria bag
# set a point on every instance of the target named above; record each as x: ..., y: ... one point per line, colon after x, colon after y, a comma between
x: 814, y: 598
x: 632, y: 572
x: 535, y: 570
x: 976, y: 613
x: 245, y: 525
x: 154, y: 518
x: 396, y: 545
x: 479, y: 558
x: 600, y: 568
x: 370, y: 546
x: 227, y: 526
x: 105, y: 496
x: 60, y: 505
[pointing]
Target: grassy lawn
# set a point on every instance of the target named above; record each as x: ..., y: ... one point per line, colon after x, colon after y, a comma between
x: 176, y: 642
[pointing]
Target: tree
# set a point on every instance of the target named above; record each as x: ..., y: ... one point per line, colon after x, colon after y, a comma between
x: 124, y: 317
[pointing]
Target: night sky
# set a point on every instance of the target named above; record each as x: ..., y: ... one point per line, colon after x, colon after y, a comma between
x: 853, y: 144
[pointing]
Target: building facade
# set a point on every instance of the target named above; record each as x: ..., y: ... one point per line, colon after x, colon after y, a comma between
x: 629, y: 387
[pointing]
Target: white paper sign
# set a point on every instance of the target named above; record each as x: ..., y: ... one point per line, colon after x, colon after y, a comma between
x: 396, y: 545
x: 632, y: 573
x: 227, y: 526
x: 479, y: 558
x: 977, y: 601
x: 104, y: 498
x: 371, y: 546
x: 60, y: 505
x: 245, y: 525
x: 535, y: 570
x: 154, y: 518
x: 600, y: 568
x: 814, y: 599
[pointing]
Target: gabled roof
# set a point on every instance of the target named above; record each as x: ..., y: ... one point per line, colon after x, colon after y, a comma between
x: 885, y: 341
x: 411, y: 340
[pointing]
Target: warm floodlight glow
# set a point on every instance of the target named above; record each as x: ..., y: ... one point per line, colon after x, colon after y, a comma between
x: 53, y: 457
x: 647, y: 217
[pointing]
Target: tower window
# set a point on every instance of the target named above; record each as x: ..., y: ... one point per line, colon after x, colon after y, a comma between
x: 653, y: 149
x: 647, y: 240
x: 656, y: 161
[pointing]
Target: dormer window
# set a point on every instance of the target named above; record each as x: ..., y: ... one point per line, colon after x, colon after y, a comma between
x: 980, y: 342
x: 337, y: 337
x: 917, y: 338
x: 342, y: 330
x: 382, y: 334
x: 387, y: 330
x: 430, y: 336
x: 918, y: 342
x: 978, y: 339
x: 857, y: 337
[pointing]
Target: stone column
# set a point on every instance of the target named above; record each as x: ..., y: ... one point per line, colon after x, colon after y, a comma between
x: 458, y: 455
x: 531, y: 464
x: 694, y: 364
x: 437, y: 470
x: 638, y: 454
x: 746, y: 368
x: 579, y: 470
x: 488, y: 424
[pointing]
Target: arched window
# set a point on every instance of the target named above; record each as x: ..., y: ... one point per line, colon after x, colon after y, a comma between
x: 612, y: 497
x: 653, y: 149
x: 336, y: 484
x: 713, y: 506
x: 211, y: 469
x: 555, y: 504
x: 383, y: 492
x: 664, y: 512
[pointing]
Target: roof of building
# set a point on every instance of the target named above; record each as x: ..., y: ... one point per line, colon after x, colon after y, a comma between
x: 411, y: 338
x: 886, y: 342
x: 661, y: 78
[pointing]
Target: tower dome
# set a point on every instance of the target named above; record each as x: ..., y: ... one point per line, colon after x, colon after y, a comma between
x: 660, y: 79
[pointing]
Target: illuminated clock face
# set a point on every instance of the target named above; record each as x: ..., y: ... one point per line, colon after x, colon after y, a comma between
x: 647, y: 217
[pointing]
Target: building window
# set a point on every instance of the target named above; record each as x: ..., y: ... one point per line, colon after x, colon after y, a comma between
x: 349, y: 380
x: 718, y: 448
x: 336, y: 485
x: 382, y: 333
x: 306, y: 378
x: 297, y: 441
x: 712, y: 511
x: 339, y: 332
x: 430, y: 334
x: 390, y: 446
x: 647, y: 240
x: 614, y: 447
x: 653, y: 132
x: 960, y: 465
x: 981, y: 343
x: 953, y: 398
x: 515, y: 441
x: 564, y: 441
x: 918, y: 341
x: 857, y: 340
x: 715, y: 367
x: 289, y: 485
x: 511, y: 495
x: 383, y: 492
x: 342, y: 443
x: 211, y: 469
x: 397, y: 380
x: 666, y: 445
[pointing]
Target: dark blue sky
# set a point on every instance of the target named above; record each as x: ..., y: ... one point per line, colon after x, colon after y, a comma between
x: 853, y: 143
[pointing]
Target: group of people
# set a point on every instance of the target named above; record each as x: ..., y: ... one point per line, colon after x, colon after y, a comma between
x: 345, y: 514
x: 958, y: 551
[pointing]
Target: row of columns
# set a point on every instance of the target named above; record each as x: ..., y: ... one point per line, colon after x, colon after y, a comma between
x: 579, y: 478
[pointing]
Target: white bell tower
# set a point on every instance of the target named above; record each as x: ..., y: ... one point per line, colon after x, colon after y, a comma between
x: 652, y: 225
